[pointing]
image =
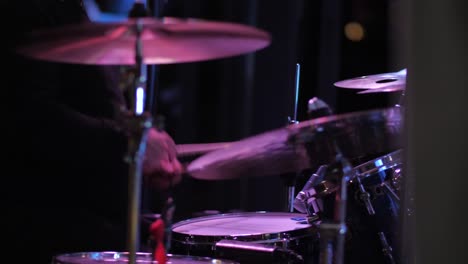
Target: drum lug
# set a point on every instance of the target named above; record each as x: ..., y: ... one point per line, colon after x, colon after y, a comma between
x: 396, y: 179
x: 386, y: 248
x: 286, y: 238
x: 189, y: 239
x: 364, y: 197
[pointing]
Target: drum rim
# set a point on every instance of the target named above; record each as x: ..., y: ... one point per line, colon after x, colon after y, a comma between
x: 388, y: 161
x: 147, y: 256
x: 189, y: 239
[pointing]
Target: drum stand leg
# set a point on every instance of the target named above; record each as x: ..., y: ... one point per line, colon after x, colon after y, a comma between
x: 138, y: 126
x: 290, y: 182
x: 329, y: 253
x: 332, y: 233
x: 138, y: 122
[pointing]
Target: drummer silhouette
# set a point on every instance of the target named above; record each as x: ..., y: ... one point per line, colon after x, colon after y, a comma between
x: 68, y: 188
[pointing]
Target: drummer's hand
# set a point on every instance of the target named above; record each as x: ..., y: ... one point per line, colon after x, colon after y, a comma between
x: 161, y: 168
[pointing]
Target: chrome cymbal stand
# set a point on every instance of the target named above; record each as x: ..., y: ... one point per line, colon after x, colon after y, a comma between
x: 332, y: 231
x: 138, y: 122
x: 290, y: 179
x: 138, y: 126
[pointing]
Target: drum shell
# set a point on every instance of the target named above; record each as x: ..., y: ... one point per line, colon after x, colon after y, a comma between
x: 363, y: 228
x: 379, y: 179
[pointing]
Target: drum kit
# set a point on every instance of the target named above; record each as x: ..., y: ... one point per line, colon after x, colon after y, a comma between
x: 354, y: 192
x: 348, y: 210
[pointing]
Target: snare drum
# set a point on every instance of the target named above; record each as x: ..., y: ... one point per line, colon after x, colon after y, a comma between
x: 123, y: 257
x: 291, y: 231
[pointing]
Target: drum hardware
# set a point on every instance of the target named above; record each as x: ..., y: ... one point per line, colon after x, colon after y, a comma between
x: 373, y: 186
x: 250, y: 252
x: 329, y: 232
x: 363, y: 194
x: 167, y: 216
x: 290, y: 178
x: 302, y: 202
x: 332, y: 228
x: 305, y: 198
x: 388, y: 190
x: 380, y: 191
x: 138, y: 126
x: 375, y: 191
x: 402, y: 101
x: 296, y: 94
x: 137, y: 142
x: 289, y: 181
x: 396, y: 179
x: 386, y: 248
x: 316, y: 108
x: 324, y: 188
x: 364, y: 197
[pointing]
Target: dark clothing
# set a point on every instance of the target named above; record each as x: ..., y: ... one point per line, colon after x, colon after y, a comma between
x: 67, y: 187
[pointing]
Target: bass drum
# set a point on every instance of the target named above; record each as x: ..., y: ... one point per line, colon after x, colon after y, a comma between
x: 266, y: 237
x: 123, y: 258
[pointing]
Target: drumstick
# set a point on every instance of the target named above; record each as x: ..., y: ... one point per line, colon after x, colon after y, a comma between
x: 184, y: 150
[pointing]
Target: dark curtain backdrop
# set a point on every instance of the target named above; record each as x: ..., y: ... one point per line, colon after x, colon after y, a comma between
x: 234, y: 98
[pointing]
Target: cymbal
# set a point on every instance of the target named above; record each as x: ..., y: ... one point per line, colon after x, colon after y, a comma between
x: 390, y: 88
x: 306, y: 145
x: 164, y: 41
x: 377, y: 83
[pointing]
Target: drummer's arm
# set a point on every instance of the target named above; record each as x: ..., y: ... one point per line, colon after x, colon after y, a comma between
x: 53, y: 130
x: 95, y: 14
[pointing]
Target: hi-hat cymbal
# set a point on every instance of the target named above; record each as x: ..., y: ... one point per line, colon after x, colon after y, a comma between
x: 377, y: 83
x: 164, y: 41
x: 308, y: 144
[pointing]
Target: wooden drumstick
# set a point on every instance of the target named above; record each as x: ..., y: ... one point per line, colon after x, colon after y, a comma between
x: 184, y: 150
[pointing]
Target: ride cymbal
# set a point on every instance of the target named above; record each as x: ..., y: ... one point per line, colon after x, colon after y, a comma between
x: 308, y: 144
x: 164, y: 41
x: 377, y: 83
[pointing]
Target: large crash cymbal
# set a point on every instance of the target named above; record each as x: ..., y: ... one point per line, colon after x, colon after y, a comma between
x: 377, y: 83
x: 164, y: 41
x: 297, y: 147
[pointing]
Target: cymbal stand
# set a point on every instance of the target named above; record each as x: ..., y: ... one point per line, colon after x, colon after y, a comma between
x: 138, y: 123
x: 332, y: 233
x: 290, y: 180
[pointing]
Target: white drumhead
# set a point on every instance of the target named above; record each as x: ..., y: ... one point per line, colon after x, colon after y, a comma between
x: 242, y: 224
